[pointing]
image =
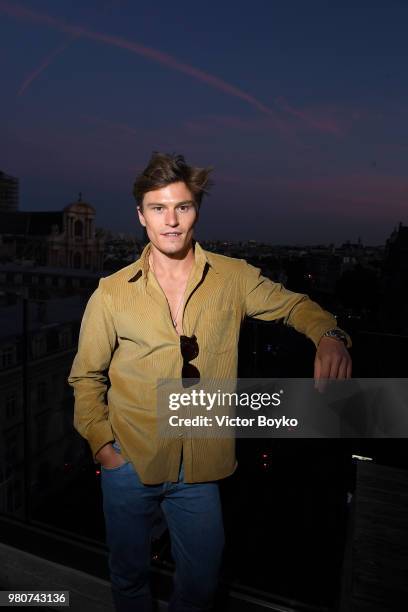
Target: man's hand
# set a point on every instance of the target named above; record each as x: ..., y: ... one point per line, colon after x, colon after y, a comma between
x: 332, y: 361
x: 109, y: 458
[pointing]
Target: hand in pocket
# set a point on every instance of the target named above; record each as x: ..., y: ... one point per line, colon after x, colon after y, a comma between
x: 109, y: 458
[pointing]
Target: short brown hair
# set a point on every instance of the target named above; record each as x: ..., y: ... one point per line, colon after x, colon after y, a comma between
x: 164, y: 169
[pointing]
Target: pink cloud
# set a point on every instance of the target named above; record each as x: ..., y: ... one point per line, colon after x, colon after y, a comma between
x: 350, y: 195
x: 113, y: 125
x: 373, y: 196
x: 293, y: 124
x: 44, y: 64
x: 253, y: 124
x: 21, y: 12
x: 322, y: 120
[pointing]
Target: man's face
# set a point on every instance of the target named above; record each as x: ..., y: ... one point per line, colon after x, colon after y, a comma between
x: 169, y: 215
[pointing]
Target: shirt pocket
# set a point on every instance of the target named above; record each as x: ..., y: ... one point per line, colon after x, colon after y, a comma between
x: 134, y: 336
x: 218, y: 332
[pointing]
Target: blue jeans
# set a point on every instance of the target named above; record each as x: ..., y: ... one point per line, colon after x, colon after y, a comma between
x: 194, y: 518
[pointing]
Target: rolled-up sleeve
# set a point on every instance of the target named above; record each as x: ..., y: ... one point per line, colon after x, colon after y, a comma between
x: 269, y: 301
x: 88, y: 376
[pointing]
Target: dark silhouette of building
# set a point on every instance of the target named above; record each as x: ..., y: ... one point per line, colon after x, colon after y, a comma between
x: 395, y: 281
x: 59, y: 239
x: 8, y: 192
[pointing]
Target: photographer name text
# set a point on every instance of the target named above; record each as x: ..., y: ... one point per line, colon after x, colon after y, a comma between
x: 225, y: 421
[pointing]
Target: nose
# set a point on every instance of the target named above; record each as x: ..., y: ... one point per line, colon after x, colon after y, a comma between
x: 171, y: 218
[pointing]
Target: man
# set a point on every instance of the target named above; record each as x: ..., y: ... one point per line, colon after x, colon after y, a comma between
x: 176, y: 312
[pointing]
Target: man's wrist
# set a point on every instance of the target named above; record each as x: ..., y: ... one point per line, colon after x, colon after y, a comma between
x: 104, y: 452
x: 336, y: 334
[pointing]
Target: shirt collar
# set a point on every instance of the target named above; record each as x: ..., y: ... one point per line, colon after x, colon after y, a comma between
x: 141, y: 267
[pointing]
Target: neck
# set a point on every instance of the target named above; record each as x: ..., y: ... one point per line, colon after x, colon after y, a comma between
x: 176, y: 266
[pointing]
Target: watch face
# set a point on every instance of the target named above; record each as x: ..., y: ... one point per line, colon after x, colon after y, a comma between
x: 337, y: 334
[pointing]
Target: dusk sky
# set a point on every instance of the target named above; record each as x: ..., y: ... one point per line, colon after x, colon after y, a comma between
x: 300, y: 106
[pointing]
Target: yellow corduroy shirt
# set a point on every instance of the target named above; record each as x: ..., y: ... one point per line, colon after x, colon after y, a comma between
x: 127, y: 342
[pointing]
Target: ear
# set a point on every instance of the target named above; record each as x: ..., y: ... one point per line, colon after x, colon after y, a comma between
x: 141, y: 216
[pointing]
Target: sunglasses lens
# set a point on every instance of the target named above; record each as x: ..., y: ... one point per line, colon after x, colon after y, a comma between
x: 190, y: 375
x: 189, y: 350
x: 189, y: 347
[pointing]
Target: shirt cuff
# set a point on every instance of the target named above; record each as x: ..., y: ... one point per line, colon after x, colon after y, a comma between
x: 101, y: 435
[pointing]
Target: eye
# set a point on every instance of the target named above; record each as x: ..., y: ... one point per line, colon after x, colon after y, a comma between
x: 157, y: 208
x: 184, y: 207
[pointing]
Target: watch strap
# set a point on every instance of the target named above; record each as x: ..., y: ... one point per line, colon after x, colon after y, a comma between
x: 336, y: 334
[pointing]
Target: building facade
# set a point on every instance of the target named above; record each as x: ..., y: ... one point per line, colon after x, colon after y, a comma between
x: 9, y: 189
x: 61, y: 239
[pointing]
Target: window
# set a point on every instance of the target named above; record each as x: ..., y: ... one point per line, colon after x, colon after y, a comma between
x: 7, y: 356
x: 78, y: 229
x: 41, y: 393
x: 39, y: 346
x: 77, y: 261
x: 65, y: 338
x: 14, y: 495
x: 11, y: 405
x: 9, y: 497
x: 11, y: 443
x: 18, y: 494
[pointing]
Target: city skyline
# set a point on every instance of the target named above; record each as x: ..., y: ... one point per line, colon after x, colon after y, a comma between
x: 138, y: 234
x: 301, y: 110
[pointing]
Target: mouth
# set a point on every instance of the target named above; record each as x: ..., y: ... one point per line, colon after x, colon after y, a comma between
x: 172, y: 234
